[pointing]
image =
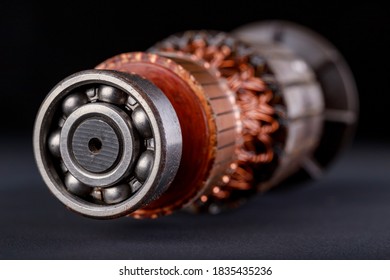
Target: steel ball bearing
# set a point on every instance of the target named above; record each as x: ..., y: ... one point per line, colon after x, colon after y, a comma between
x: 102, y: 146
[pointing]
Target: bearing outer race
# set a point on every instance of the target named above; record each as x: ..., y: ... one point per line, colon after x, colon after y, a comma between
x: 164, y: 124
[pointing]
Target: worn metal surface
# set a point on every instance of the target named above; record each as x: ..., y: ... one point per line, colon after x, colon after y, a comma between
x: 110, y: 161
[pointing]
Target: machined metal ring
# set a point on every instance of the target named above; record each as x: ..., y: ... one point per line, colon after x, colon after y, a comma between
x: 90, y: 145
x: 107, y: 143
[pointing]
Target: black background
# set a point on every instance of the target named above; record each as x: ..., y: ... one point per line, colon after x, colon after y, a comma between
x: 42, y: 44
x: 343, y: 216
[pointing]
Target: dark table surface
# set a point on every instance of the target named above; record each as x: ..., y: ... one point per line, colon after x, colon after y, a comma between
x: 345, y: 215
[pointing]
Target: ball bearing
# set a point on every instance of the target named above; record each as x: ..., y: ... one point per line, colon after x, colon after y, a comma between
x: 104, y: 144
x: 98, y: 144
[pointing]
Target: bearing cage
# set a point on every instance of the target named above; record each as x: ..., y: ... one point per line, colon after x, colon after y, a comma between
x: 165, y: 142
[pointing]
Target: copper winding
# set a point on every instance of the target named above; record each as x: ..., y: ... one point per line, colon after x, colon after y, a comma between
x: 254, y: 98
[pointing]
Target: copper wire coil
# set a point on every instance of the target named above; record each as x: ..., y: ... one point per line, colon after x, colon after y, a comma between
x: 254, y: 97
